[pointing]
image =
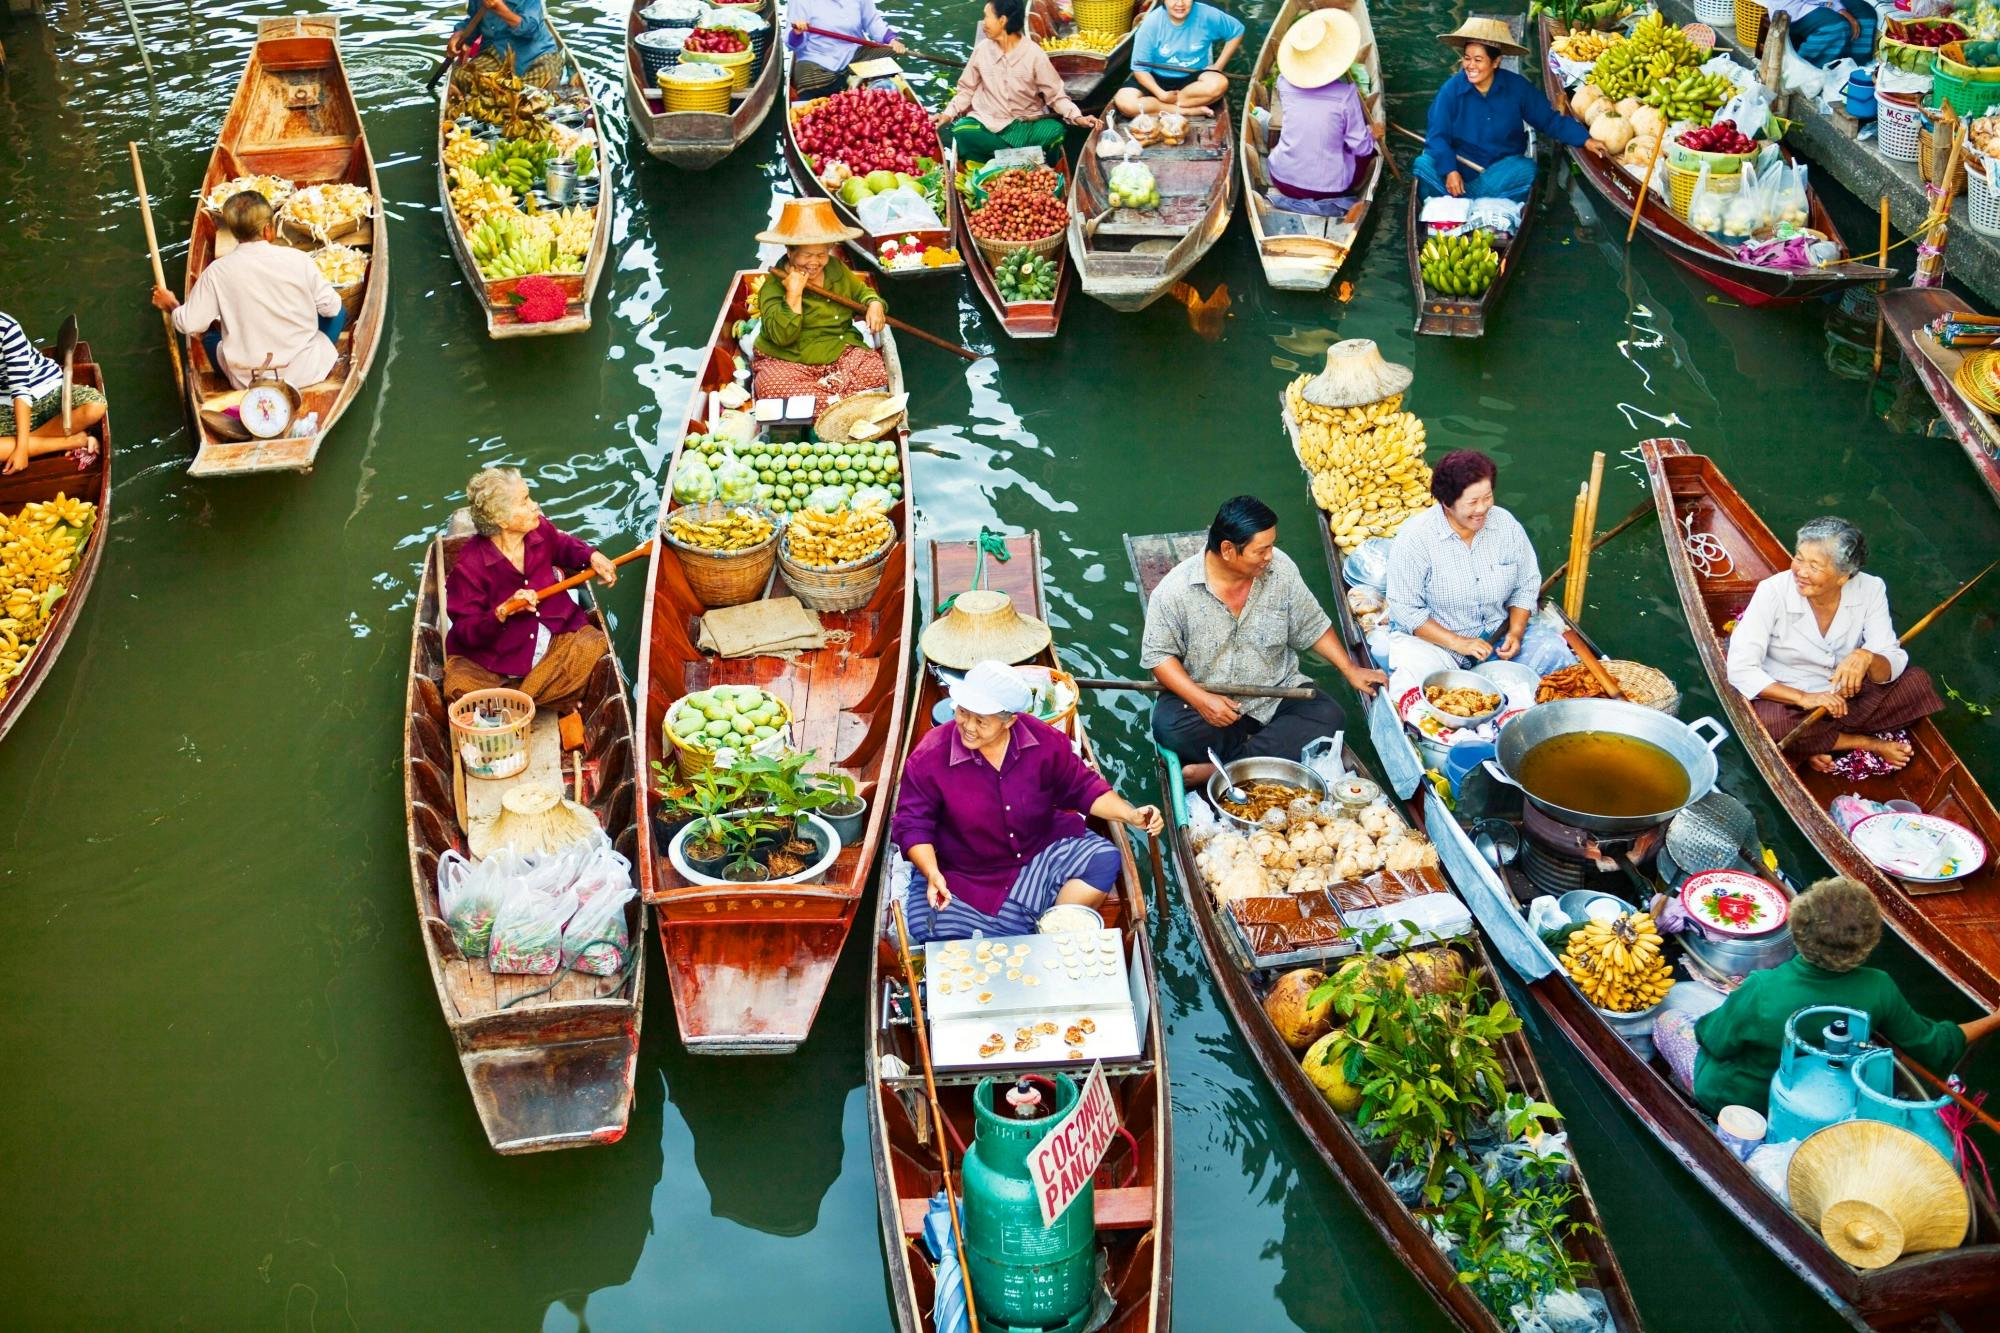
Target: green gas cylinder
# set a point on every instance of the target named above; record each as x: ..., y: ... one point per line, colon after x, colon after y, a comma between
x: 1026, y: 1278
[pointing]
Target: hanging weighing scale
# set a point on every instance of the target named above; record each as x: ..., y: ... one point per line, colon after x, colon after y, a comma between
x: 269, y: 405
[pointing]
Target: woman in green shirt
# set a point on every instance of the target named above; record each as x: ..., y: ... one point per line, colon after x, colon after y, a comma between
x: 806, y: 343
x: 1727, y: 1057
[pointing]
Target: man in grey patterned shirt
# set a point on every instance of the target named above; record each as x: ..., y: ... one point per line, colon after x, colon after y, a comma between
x: 1238, y: 613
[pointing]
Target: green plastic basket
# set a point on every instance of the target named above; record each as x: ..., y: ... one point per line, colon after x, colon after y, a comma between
x: 1969, y: 96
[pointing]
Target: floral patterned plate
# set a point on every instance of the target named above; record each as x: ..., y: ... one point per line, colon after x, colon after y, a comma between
x: 1734, y: 905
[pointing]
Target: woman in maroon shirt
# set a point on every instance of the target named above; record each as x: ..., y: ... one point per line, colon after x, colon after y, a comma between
x: 990, y: 814
x: 548, y: 650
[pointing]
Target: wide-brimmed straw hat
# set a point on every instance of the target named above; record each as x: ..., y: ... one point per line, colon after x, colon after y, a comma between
x: 981, y: 626
x: 808, y: 222
x: 1319, y: 48
x: 1491, y: 33
x: 1877, y: 1192
x: 1356, y: 375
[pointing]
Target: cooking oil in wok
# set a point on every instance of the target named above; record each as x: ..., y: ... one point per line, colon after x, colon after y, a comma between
x: 1605, y: 773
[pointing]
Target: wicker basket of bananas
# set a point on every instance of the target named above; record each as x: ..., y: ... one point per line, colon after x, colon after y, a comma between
x: 834, y: 561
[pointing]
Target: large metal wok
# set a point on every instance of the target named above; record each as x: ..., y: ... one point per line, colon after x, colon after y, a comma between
x: 1687, y: 742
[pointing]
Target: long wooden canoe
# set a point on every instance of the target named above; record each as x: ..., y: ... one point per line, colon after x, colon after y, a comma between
x: 1466, y: 316
x: 1952, y: 925
x: 1135, y: 255
x: 43, y: 479
x: 1909, y: 1294
x: 496, y: 299
x: 697, y: 140
x: 1908, y: 311
x: 1017, y: 319
x: 555, y: 1070
x: 1134, y: 1187
x: 1301, y: 252
x: 293, y: 116
x: 1089, y: 77
x: 866, y: 250
x: 749, y: 963
x: 1336, y: 1139
x: 1699, y: 254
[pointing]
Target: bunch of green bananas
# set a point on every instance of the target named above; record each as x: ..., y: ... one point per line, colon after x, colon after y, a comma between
x: 1026, y: 278
x: 1459, y: 263
x: 516, y: 163
x: 1690, y: 95
x: 506, y: 248
x: 1656, y: 51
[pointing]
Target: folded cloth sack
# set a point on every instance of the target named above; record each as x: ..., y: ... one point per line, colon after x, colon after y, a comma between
x: 773, y: 628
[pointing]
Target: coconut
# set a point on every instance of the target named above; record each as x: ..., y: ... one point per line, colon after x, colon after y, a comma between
x: 1289, y: 1006
x: 1331, y: 1080
x: 1433, y: 971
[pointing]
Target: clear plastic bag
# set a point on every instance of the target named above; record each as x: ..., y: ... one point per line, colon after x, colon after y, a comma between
x: 1580, y: 1311
x: 1743, y: 214
x: 1792, y: 202
x: 528, y: 932
x: 1132, y: 186
x: 468, y: 899
x: 598, y: 925
x: 898, y: 211
x: 1368, y: 566
x: 1705, y: 205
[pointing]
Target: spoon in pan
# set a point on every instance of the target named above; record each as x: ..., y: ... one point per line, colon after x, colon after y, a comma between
x: 1234, y: 794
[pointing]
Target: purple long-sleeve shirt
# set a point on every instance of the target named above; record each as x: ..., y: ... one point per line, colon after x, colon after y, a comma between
x: 986, y: 824
x: 483, y: 578
x: 857, y: 18
x: 1322, y: 141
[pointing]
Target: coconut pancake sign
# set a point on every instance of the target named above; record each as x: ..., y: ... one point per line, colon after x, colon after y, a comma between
x: 1067, y: 1157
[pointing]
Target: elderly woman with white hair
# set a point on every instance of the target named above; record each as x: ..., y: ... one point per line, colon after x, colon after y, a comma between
x: 990, y: 815
x: 1818, y: 635
x: 547, y: 650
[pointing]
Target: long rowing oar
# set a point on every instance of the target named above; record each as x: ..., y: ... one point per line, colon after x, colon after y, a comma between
x: 1639, y: 511
x: 1233, y: 691
x: 1645, y: 188
x: 465, y: 53
x: 937, y: 1108
x: 1421, y: 139
x: 513, y: 604
x: 66, y: 353
x: 1908, y: 634
x: 883, y: 46
x: 159, y: 274
x: 888, y: 319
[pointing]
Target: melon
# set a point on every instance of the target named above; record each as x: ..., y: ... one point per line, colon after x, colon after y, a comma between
x: 1330, y: 1078
x: 1299, y: 1022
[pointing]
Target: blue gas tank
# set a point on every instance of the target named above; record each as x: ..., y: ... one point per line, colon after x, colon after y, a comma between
x: 1814, y: 1085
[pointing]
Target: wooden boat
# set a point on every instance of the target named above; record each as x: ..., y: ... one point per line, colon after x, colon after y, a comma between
x: 1923, y: 1291
x: 1951, y: 924
x: 1300, y: 252
x: 1336, y: 1139
x: 43, y: 479
x: 572, y: 99
x: 546, y: 1071
x: 1466, y: 316
x: 866, y: 251
x: 293, y: 116
x: 1018, y: 319
x: 1128, y: 257
x: 749, y: 962
x: 1700, y: 255
x: 697, y: 140
x: 1089, y: 77
x: 1908, y: 311
x: 1134, y: 1186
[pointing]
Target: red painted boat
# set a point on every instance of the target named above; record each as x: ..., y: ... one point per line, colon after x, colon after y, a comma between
x: 748, y: 962
x: 1017, y: 319
x: 1707, y: 259
x: 1908, y: 312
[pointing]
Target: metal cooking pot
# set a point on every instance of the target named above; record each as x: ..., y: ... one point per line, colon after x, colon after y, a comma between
x: 1687, y: 742
x: 1259, y: 768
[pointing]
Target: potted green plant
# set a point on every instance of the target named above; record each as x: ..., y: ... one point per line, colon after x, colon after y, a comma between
x: 781, y: 782
x: 847, y: 811
x: 709, y: 798
x: 745, y: 835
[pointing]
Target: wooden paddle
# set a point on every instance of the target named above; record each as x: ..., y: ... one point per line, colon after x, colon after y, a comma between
x: 937, y: 1108
x: 1639, y: 511
x: 1605, y: 680
x: 66, y: 353
x: 466, y: 52
x: 159, y: 274
x: 881, y: 46
x: 890, y: 320
x: 1645, y: 188
x: 514, y: 604
x: 1466, y: 161
x: 1904, y: 638
x: 1233, y: 691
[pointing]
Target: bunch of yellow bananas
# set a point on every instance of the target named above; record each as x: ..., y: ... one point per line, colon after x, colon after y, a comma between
x: 572, y: 228
x: 474, y: 198
x: 1367, y: 463
x: 1617, y: 964
x: 462, y: 148
x: 1584, y: 46
x: 38, y: 548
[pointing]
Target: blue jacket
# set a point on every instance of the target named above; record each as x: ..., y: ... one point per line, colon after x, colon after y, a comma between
x: 1486, y: 128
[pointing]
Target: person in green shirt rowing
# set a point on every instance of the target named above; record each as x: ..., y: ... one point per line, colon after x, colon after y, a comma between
x: 1727, y: 1057
x: 806, y: 343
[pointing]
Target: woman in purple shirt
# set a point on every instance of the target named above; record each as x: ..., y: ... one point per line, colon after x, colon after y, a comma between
x: 1325, y: 140
x: 547, y: 650
x: 990, y: 814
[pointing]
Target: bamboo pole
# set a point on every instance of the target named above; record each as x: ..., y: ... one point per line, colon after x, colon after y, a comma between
x: 1576, y: 544
x: 1930, y: 254
x: 1580, y: 573
x: 1639, y: 511
x: 159, y: 273
x: 1882, y: 286
x: 1645, y: 188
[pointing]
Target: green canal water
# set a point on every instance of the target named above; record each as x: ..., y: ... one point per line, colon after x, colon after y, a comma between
x: 228, y: 1096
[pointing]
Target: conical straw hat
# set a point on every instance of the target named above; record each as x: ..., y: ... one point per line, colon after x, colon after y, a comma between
x: 1356, y: 375
x: 1319, y: 48
x: 837, y: 423
x: 1877, y: 1192
x: 983, y: 626
x: 533, y: 817
x: 808, y: 222
x: 1487, y: 32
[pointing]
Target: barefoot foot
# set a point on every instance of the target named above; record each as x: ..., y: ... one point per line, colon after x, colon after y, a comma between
x: 1821, y: 763
x: 1193, y: 775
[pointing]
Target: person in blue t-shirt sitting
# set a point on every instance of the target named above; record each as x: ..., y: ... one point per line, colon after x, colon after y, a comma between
x: 519, y: 29
x: 1175, y: 66
x: 1479, y: 115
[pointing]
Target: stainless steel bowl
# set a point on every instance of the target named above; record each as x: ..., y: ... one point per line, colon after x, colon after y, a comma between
x: 1466, y: 680
x: 1241, y: 772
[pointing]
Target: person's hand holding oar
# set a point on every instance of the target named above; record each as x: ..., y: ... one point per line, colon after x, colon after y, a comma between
x: 893, y: 45
x: 601, y: 567
x: 782, y: 276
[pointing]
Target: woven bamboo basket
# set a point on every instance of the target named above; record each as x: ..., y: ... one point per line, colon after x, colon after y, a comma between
x: 726, y: 578
x: 1751, y: 21
x: 997, y: 251
x: 1681, y: 183
x: 843, y: 588
x: 1114, y: 16
x: 1927, y: 145
x: 1649, y: 687
x: 492, y: 751
x: 691, y: 758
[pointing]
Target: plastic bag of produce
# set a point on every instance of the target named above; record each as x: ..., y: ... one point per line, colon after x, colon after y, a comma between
x: 1579, y: 1311
x: 468, y: 898
x: 735, y: 481
x: 1791, y: 203
x: 1705, y: 205
x: 828, y: 499
x: 694, y: 480
x: 899, y: 210
x: 528, y: 932
x: 873, y: 497
x: 1368, y: 567
x: 1744, y: 211
x: 1132, y: 186
x: 599, y: 923
x: 1749, y: 110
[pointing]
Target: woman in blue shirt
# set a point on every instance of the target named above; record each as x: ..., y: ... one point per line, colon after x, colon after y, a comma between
x: 516, y: 27
x: 1174, y: 63
x: 1479, y: 115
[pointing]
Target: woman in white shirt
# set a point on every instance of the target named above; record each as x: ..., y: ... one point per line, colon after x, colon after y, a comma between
x: 1819, y: 636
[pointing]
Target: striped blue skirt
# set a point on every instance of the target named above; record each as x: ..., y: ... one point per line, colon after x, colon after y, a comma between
x: 1090, y: 858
